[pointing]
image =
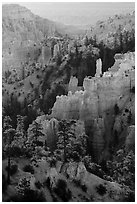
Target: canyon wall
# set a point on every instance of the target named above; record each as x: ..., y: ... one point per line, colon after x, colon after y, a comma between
x: 50, y: 128
x: 99, y: 96
x: 95, y: 105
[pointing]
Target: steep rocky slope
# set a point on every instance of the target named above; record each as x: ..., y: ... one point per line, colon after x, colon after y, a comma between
x: 83, y: 82
x: 81, y: 185
x: 22, y: 33
x: 97, y: 105
x: 109, y: 30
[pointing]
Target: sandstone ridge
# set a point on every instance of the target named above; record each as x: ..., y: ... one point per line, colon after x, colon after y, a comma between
x: 96, y: 104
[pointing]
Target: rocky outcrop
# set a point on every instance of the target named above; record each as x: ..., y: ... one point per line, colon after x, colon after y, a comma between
x: 78, y: 172
x: 95, y: 105
x: 73, y: 85
x: 99, y: 68
x: 130, y: 139
x: 22, y: 33
x: 100, y: 93
x: 50, y: 128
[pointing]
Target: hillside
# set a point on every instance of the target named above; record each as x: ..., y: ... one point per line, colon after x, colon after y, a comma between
x: 68, y: 128
x: 79, y: 13
x: 22, y: 33
x: 109, y: 30
x: 101, y: 169
x: 59, y: 58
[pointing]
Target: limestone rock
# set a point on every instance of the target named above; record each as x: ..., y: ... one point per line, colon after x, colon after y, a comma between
x: 98, y: 67
x: 77, y: 171
x: 52, y: 174
x: 98, y: 100
x: 50, y: 128
x: 130, y: 139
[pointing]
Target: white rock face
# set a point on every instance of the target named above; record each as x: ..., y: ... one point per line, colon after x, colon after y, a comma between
x: 53, y: 175
x: 50, y: 129
x: 130, y: 140
x: 78, y: 172
x: 98, y: 99
x: 56, y: 50
x: 100, y: 94
x: 98, y: 67
x: 73, y: 83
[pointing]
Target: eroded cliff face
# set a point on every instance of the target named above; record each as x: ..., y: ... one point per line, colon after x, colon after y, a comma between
x: 96, y: 104
x: 50, y: 128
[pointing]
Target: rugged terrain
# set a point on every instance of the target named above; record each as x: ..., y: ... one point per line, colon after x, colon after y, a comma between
x: 22, y: 34
x: 68, y: 109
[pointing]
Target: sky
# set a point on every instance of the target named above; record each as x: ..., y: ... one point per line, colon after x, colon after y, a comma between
x: 78, y: 13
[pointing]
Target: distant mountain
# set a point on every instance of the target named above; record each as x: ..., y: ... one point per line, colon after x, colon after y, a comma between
x: 115, y: 29
x: 22, y: 32
x: 81, y: 14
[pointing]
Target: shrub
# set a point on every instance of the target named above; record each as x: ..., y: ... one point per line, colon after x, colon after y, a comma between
x: 91, y: 198
x: 62, y: 191
x: 37, y: 76
x: 116, y: 109
x: 29, y: 168
x: 101, y: 189
x: 33, y: 196
x: 61, y: 184
x: 84, y: 187
x: 31, y: 84
x: 122, y: 168
x: 47, y: 183
x: 38, y: 184
x: 129, y: 118
x: 133, y: 90
x: 129, y: 197
x: 16, y: 151
x: 13, y: 168
x: 4, y: 183
x: 126, y: 110
x: 95, y: 169
x: 77, y: 182
x: 26, y: 194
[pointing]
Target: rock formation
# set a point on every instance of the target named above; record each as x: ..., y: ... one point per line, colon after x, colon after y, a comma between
x: 77, y: 171
x: 50, y: 128
x: 73, y: 85
x: 130, y: 139
x: 98, y: 68
x: 95, y: 105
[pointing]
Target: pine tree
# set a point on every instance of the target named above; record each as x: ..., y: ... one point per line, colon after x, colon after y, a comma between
x: 64, y: 135
x: 34, y: 134
x: 18, y: 144
x: 8, y: 133
x: 23, y: 72
x: 86, y: 41
x: 70, y: 146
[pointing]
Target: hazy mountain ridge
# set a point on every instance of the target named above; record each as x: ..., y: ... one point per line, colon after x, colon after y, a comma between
x: 69, y: 111
x: 79, y: 14
x: 23, y: 31
x: 110, y: 29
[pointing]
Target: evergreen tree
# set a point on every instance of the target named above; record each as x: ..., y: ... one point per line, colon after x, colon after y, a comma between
x: 8, y: 133
x: 70, y: 146
x: 86, y: 41
x: 34, y: 134
x: 18, y: 144
x: 116, y: 109
x: 120, y: 38
x: 20, y: 124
